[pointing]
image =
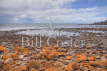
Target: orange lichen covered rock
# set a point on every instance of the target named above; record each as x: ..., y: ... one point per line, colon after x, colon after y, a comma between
x: 6, y: 56
x: 99, y: 63
x: 34, y: 69
x: 72, y: 66
x: 104, y: 62
x: 8, y: 67
x: 82, y: 57
x: 51, y: 69
x: 92, y: 58
x: 4, y: 49
x: 85, y: 64
x: 19, y: 68
x: 102, y: 70
x: 22, y: 50
x: 68, y: 58
x: 14, y: 55
x: 10, y: 55
x: 50, y: 53
x: 34, y: 64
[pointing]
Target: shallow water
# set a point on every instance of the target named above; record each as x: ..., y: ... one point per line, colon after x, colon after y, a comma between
x: 48, y: 29
x: 51, y: 33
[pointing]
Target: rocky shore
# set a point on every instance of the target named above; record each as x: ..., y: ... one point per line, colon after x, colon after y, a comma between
x: 92, y: 56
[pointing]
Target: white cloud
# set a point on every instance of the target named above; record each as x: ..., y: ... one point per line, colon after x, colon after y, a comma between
x: 64, y: 15
x: 36, y: 4
x: 49, y: 11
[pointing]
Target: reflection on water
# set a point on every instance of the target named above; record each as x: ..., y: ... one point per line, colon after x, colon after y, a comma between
x: 48, y: 30
x: 50, y: 33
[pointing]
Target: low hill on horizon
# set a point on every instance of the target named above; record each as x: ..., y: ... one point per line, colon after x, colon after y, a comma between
x: 101, y: 23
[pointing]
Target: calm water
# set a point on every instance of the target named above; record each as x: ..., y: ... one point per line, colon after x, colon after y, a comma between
x: 48, y: 29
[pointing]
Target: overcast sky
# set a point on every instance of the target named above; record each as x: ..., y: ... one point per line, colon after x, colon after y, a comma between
x: 56, y: 11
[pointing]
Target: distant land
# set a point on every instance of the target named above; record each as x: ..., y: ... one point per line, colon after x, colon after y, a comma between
x: 101, y: 23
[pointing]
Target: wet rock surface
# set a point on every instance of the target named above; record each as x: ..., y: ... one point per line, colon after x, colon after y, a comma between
x: 14, y: 57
